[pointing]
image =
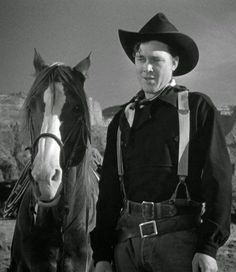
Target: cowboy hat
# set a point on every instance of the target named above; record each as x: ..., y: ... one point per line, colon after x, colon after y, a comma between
x: 159, y: 28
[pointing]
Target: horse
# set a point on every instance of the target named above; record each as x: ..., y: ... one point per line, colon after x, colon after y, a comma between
x: 57, y: 210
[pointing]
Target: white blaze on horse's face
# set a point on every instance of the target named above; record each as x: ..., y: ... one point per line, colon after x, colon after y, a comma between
x: 46, y: 170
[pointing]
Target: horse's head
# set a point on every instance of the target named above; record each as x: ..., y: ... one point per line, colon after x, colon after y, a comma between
x: 58, y: 122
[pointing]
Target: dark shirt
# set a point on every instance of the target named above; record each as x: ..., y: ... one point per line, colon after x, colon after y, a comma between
x: 150, y: 155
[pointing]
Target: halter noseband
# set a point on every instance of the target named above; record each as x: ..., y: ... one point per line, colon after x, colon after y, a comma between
x: 49, y: 135
x: 64, y: 165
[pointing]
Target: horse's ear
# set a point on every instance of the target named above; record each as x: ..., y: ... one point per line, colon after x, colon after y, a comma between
x: 39, y: 63
x: 83, y: 66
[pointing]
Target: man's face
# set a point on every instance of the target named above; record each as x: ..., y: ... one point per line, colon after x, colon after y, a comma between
x: 154, y: 66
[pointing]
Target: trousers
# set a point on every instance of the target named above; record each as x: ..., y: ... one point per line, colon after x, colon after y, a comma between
x: 168, y: 252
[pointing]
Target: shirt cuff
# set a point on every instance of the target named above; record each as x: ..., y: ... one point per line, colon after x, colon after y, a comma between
x: 208, y: 249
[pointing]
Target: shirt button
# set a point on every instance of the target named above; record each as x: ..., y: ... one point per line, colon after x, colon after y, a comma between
x: 176, y: 138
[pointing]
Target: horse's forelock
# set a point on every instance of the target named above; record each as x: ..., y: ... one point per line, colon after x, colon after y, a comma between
x: 74, y: 81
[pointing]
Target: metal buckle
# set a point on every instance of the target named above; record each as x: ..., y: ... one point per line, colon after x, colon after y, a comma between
x: 148, y: 229
x: 146, y: 206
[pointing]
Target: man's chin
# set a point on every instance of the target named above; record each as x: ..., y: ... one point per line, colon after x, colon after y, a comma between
x: 150, y: 91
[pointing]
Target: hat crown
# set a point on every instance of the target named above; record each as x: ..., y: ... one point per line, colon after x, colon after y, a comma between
x: 158, y: 24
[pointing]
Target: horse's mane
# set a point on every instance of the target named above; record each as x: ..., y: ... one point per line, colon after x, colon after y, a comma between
x: 71, y: 79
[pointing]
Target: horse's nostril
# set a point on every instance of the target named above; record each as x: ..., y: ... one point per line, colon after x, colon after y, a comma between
x: 56, y: 176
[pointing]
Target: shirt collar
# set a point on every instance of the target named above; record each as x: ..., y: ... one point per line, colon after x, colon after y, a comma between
x: 172, y: 83
x: 144, y: 106
x: 168, y: 94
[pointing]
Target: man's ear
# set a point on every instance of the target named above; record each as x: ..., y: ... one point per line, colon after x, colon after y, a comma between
x: 175, y: 62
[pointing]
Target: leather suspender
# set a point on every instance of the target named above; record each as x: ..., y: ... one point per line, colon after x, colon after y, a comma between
x: 184, y: 135
x: 184, y: 132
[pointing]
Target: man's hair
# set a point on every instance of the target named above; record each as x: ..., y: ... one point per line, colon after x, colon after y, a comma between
x: 137, y: 49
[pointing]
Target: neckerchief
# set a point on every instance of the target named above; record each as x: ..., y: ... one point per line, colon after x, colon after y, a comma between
x: 140, y: 100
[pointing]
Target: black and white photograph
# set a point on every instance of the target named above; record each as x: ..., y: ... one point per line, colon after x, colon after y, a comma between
x: 118, y: 136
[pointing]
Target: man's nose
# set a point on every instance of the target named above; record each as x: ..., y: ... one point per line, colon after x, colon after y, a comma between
x: 149, y: 67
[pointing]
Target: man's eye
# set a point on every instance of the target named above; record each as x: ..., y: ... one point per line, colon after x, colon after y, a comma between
x: 140, y: 58
x: 157, y: 60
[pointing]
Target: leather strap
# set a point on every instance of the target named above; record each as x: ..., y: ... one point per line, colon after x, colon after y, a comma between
x: 131, y: 229
x: 150, y: 210
x: 184, y: 131
x: 119, y: 154
x: 184, y: 134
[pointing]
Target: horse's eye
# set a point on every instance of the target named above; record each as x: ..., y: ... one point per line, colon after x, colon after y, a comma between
x: 76, y: 109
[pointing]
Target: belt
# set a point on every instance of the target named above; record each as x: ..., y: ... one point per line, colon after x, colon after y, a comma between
x: 152, y: 228
x: 150, y: 210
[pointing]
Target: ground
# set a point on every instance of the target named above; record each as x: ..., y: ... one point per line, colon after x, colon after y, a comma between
x: 226, y: 256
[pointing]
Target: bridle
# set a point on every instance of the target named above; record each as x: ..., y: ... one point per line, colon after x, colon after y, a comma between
x: 54, y: 137
x: 65, y: 164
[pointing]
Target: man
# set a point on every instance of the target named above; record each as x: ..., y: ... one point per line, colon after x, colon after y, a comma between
x: 165, y: 189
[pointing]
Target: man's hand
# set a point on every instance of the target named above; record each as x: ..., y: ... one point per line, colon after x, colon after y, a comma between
x: 204, y: 263
x: 103, y: 266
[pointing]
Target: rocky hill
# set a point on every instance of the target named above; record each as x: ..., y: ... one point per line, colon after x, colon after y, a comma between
x: 10, y: 148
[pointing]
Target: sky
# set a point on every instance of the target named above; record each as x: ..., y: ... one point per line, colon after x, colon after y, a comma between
x: 67, y: 30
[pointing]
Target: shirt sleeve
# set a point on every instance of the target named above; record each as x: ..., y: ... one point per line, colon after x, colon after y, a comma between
x: 216, y: 184
x: 103, y: 237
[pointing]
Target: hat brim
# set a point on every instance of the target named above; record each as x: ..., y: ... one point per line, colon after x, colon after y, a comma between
x: 182, y: 44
